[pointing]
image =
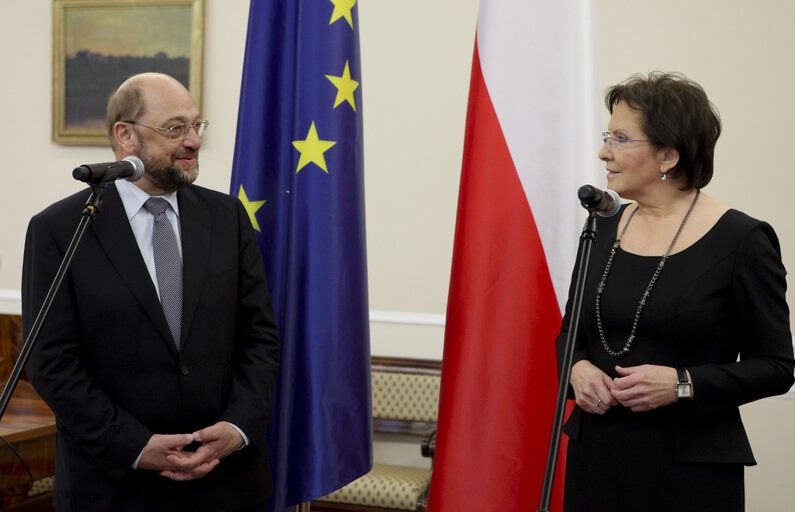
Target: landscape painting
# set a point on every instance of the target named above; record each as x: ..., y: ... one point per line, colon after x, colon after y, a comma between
x: 98, y: 44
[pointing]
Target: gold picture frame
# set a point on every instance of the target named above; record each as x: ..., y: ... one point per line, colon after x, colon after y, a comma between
x: 97, y: 44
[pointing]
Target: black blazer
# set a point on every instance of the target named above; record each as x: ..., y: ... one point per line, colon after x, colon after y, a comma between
x: 722, y: 298
x: 107, y: 366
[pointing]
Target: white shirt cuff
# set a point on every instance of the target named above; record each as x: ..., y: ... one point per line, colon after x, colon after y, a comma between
x: 137, y: 460
x: 244, y: 436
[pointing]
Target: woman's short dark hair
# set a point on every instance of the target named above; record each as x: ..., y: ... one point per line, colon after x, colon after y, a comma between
x: 675, y: 113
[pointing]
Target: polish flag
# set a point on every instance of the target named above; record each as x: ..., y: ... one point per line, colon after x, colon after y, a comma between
x: 532, y: 136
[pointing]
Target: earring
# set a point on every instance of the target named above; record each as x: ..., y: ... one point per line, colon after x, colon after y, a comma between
x: 663, y: 177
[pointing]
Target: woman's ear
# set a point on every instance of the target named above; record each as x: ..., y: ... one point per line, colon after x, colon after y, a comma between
x: 669, y: 160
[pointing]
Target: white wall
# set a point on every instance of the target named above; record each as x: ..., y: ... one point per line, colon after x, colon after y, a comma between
x: 35, y: 172
x: 416, y: 57
x: 416, y: 60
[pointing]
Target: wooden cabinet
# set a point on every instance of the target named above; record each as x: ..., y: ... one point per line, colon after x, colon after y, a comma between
x: 29, y: 426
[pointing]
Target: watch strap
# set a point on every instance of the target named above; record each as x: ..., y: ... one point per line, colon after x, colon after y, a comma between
x: 682, y: 376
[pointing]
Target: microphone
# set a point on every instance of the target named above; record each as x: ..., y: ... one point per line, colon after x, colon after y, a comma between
x: 605, y: 203
x: 131, y: 168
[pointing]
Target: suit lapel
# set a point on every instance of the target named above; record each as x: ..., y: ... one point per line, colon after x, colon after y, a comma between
x: 113, y: 231
x: 196, y: 227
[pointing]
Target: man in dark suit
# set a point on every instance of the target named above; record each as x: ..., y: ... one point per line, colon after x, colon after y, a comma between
x: 160, y: 375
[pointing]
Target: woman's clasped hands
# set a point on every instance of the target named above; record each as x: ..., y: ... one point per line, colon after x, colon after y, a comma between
x: 639, y: 388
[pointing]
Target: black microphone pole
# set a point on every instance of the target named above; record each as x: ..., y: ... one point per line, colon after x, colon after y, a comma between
x: 89, y: 213
x: 587, y: 240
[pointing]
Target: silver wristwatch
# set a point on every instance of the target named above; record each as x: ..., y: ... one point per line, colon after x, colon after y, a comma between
x: 684, y: 388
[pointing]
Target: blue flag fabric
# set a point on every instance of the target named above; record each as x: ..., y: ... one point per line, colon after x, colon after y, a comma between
x: 298, y: 169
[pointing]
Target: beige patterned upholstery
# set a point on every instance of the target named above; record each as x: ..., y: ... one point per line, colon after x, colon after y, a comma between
x: 386, y: 486
x: 41, y: 486
x: 405, y: 401
x: 405, y: 396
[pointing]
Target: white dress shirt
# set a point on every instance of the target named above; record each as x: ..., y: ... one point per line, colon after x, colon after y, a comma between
x: 141, y: 222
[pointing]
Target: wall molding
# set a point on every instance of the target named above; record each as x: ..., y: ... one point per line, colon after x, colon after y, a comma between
x: 401, y: 317
x: 10, y: 295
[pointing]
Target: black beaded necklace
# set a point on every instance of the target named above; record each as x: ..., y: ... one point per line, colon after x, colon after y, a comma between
x: 601, y: 288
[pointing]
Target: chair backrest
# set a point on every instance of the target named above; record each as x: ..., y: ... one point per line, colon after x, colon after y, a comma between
x: 405, y: 394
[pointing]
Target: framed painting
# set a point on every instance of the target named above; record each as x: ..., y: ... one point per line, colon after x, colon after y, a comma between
x: 97, y: 44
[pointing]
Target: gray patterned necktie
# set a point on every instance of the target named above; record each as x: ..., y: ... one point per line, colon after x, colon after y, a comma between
x: 168, y: 266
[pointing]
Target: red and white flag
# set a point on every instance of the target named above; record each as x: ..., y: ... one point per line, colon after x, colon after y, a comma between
x: 532, y: 138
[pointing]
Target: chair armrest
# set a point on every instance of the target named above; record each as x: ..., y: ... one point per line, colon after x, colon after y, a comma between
x: 429, y: 444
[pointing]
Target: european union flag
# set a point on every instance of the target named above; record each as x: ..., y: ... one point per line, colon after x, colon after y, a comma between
x: 298, y: 169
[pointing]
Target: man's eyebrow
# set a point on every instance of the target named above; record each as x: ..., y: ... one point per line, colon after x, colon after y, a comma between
x: 181, y: 119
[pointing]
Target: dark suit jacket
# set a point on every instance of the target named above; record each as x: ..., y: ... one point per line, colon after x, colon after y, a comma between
x: 107, y: 366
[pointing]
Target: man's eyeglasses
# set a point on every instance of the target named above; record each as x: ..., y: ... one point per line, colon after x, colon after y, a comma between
x: 620, y: 142
x: 178, y: 131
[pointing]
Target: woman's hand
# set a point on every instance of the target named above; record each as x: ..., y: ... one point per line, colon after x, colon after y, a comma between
x: 593, y: 388
x: 645, y: 387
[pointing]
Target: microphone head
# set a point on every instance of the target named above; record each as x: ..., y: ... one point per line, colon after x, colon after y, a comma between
x: 587, y: 195
x: 138, y: 165
x: 615, y: 204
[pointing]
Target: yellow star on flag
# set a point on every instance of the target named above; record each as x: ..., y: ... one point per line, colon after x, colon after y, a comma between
x: 312, y: 149
x: 345, y: 87
x: 251, y: 207
x: 342, y: 9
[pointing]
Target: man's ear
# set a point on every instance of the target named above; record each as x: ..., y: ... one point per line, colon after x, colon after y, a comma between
x: 126, y: 138
x: 670, y: 159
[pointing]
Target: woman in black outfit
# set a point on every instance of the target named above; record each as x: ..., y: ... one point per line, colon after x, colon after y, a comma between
x: 684, y: 318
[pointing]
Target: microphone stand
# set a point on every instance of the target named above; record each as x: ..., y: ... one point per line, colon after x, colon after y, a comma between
x: 587, y: 240
x: 89, y: 213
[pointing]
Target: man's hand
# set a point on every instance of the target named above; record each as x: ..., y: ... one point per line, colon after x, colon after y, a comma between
x: 645, y: 387
x: 217, y: 440
x: 159, y: 447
